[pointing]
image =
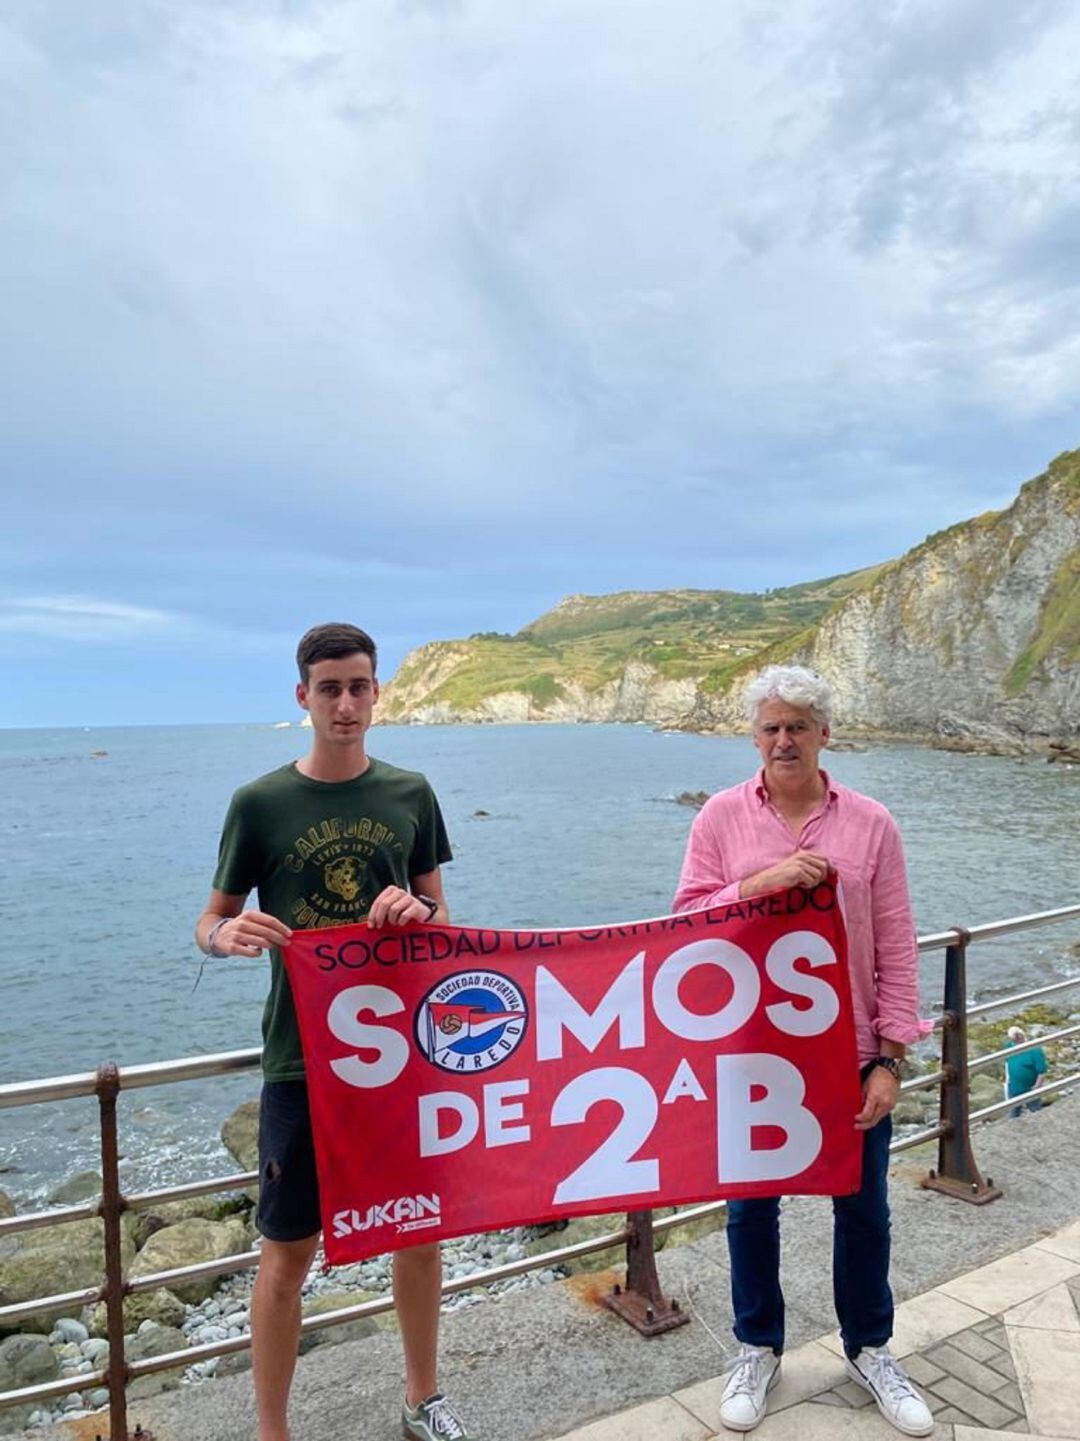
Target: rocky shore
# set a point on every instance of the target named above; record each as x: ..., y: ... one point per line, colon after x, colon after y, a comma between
x: 182, y: 1233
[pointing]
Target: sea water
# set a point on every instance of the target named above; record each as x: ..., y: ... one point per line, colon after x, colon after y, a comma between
x: 108, y: 840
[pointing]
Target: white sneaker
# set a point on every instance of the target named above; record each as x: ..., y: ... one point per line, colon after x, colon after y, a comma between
x: 876, y: 1368
x: 756, y: 1372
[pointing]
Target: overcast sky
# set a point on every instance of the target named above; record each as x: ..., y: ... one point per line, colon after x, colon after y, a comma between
x: 427, y: 314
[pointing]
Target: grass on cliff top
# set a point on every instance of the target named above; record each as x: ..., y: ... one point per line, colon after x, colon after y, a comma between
x: 717, y: 637
x: 1058, y: 631
x: 489, y: 664
x: 590, y: 640
x: 708, y: 613
x: 1064, y: 469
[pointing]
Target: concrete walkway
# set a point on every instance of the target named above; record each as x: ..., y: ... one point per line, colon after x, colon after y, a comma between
x: 552, y: 1362
x: 995, y: 1351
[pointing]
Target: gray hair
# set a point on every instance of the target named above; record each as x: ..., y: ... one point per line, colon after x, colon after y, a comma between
x: 795, y: 684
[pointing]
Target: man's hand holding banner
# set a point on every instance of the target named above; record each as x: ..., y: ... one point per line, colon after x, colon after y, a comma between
x: 464, y: 1080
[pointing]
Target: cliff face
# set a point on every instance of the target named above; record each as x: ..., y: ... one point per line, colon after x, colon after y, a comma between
x: 977, y: 629
x: 973, y: 635
x: 638, y: 694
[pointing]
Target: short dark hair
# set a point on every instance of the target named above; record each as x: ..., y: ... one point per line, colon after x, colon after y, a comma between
x: 330, y: 642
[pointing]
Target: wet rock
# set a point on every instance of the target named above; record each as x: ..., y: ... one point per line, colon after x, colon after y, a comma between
x: 1067, y: 752
x: 160, y: 1306
x: 26, y: 1360
x: 55, y: 1260
x: 84, y: 1186
x: 199, y: 1208
x: 7, y: 1205
x: 240, y: 1135
x: 68, y: 1330
x: 692, y: 798
x: 974, y: 737
x: 157, y: 1341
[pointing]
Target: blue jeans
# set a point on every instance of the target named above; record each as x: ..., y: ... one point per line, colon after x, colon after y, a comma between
x: 861, y: 1294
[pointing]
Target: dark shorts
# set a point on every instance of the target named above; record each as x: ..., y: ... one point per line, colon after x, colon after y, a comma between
x: 288, y: 1185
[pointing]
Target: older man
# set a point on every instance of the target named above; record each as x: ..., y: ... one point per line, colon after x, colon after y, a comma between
x: 786, y: 827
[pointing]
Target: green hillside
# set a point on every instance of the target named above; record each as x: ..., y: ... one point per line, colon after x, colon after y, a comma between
x: 590, y: 639
x: 968, y: 623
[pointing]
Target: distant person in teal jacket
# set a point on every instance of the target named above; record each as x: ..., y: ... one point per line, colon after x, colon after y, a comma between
x: 1022, y: 1072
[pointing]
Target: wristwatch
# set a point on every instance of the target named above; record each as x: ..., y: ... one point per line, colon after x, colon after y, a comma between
x: 432, y: 906
x: 887, y: 1063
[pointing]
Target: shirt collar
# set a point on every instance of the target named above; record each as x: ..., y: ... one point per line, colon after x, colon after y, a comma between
x: 832, y: 791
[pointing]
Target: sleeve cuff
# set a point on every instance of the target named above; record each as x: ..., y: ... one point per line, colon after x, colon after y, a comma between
x: 726, y: 896
x: 904, y: 1035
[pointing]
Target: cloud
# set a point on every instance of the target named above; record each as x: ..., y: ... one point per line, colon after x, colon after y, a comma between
x: 83, y: 618
x: 460, y: 308
x: 94, y: 622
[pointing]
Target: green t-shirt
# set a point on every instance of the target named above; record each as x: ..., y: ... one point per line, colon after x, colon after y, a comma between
x: 318, y: 853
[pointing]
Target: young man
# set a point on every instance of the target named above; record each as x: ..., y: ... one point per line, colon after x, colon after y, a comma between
x: 334, y: 838
x: 786, y: 827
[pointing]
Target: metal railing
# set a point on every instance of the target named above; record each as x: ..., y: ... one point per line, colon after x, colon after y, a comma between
x: 639, y: 1301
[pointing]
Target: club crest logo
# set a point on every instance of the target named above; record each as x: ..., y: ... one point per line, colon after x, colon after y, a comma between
x: 471, y: 1022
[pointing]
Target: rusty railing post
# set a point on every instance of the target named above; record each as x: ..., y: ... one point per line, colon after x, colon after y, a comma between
x: 957, y: 1173
x: 640, y: 1301
x: 111, y: 1209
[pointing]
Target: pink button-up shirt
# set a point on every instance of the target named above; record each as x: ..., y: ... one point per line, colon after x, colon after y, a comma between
x: 739, y: 832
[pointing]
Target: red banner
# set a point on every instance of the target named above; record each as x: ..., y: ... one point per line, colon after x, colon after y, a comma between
x: 463, y: 1080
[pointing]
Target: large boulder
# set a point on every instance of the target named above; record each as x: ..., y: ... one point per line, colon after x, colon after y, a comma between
x: 83, y: 1186
x: 984, y: 1090
x: 910, y: 1110
x: 24, y: 1361
x: 54, y: 1260
x: 154, y: 1341
x: 240, y: 1135
x: 582, y: 1228
x: 236, y: 1361
x: 585, y: 1228
x: 187, y: 1244
x: 349, y: 1330
x: 198, y: 1208
x: 7, y: 1205
x: 688, y: 1231
x: 160, y: 1306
